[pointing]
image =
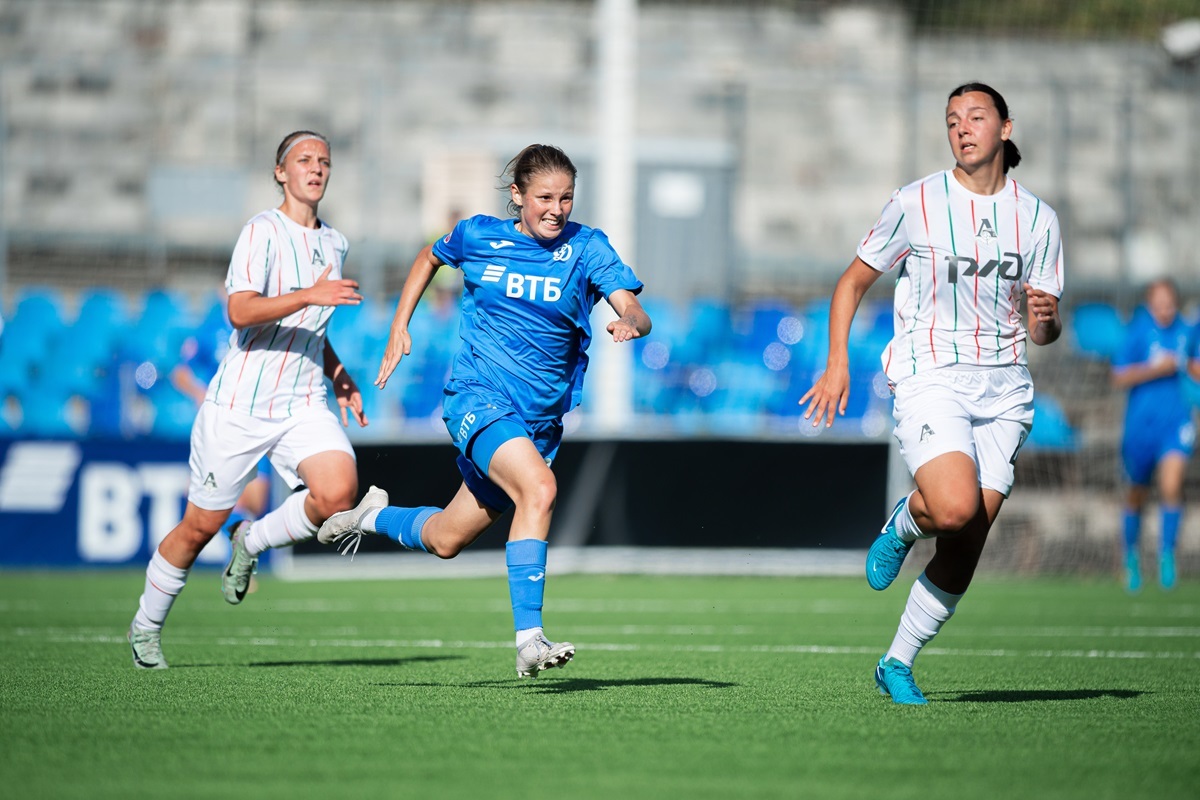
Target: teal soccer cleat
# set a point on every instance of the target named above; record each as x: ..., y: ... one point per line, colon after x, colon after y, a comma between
x: 895, y: 680
x: 1133, y: 573
x: 887, y: 554
x: 1166, y: 570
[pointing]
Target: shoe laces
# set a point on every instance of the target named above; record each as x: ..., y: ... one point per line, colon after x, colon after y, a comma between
x: 908, y: 687
x: 148, y: 643
x: 348, y: 543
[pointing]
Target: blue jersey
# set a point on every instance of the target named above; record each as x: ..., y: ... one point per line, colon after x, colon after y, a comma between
x: 1160, y: 403
x: 526, y: 308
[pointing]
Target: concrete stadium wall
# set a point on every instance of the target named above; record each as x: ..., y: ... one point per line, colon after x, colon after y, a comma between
x: 153, y: 125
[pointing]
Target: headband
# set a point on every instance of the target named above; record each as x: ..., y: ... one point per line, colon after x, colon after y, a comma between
x: 298, y: 140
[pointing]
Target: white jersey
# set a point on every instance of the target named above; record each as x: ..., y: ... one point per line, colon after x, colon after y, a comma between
x: 277, y: 369
x: 962, y: 259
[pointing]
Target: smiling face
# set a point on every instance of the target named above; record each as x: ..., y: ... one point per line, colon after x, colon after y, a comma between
x: 976, y: 131
x: 304, y: 173
x: 545, y: 204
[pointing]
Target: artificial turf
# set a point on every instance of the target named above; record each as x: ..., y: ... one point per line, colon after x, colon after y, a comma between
x: 682, y: 687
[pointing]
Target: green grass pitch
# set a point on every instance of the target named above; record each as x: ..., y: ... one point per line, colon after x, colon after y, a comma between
x: 682, y: 687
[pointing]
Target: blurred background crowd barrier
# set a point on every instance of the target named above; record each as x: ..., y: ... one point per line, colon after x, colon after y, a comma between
x: 136, y: 138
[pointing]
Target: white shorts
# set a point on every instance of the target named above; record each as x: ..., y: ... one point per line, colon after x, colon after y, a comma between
x: 227, y: 445
x: 985, y: 413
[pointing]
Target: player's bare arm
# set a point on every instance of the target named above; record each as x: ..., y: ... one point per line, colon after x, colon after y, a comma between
x: 251, y: 308
x: 632, y: 321
x: 831, y: 391
x: 399, y: 342
x: 1164, y: 366
x: 349, y: 398
x: 1045, y: 326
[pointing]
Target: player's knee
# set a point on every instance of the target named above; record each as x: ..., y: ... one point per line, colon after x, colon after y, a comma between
x: 540, y: 495
x: 330, y: 499
x: 196, y: 532
x: 951, y: 516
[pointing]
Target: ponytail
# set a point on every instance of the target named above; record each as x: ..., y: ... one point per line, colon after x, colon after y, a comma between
x: 1012, y: 154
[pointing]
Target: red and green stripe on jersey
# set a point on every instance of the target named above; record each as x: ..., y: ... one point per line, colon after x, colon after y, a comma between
x: 936, y: 235
x: 276, y: 369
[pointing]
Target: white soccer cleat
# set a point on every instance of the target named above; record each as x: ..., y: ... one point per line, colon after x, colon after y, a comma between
x: 344, y: 529
x: 147, y: 648
x: 235, y: 580
x: 539, y: 653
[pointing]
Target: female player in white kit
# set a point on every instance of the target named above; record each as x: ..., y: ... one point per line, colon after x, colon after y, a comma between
x: 268, y: 396
x: 965, y: 244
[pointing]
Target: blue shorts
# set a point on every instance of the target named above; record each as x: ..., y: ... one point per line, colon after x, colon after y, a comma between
x: 479, y: 420
x: 1141, y: 451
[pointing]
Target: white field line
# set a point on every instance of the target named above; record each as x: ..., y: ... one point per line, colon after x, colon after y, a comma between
x: 459, y: 644
x: 627, y: 606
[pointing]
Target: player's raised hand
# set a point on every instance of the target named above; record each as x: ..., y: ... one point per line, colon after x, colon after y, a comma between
x: 399, y: 345
x: 623, y: 329
x: 349, y: 399
x: 339, y: 292
x: 1042, y: 305
x: 827, y: 396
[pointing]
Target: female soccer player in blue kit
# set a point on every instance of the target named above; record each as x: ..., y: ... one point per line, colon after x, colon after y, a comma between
x: 1159, y: 432
x: 529, y: 286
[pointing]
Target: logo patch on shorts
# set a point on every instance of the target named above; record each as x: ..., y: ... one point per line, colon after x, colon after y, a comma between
x: 926, y: 433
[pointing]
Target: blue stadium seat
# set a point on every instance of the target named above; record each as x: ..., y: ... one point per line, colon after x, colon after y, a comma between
x: 709, y: 332
x: 35, y: 326
x: 1052, y: 431
x: 47, y: 413
x: 1097, y: 329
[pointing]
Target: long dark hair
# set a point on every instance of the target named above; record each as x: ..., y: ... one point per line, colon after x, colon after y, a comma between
x: 533, y: 160
x: 1012, y: 154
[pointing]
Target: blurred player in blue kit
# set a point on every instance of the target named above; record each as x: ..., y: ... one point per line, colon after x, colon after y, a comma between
x: 200, y: 356
x: 1159, y: 432
x: 529, y: 287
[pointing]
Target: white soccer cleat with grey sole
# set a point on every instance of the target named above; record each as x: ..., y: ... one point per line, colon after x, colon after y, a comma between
x: 538, y: 653
x: 344, y: 529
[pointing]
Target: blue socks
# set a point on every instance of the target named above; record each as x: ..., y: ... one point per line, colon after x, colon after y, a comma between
x: 1132, y: 529
x: 1170, y: 527
x: 526, y: 559
x: 403, y: 525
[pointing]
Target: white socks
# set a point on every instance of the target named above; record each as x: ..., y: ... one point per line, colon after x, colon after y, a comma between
x: 927, y: 610
x: 906, y: 526
x: 283, y: 527
x: 367, y: 525
x: 526, y: 634
x: 164, y: 582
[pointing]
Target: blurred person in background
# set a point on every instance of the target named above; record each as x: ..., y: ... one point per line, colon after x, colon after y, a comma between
x: 200, y: 356
x: 965, y: 244
x: 1159, y: 431
x: 268, y: 396
x: 529, y: 287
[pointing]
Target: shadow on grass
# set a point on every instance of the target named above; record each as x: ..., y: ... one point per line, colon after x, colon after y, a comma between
x: 568, y: 685
x: 356, y: 662
x: 1037, y: 695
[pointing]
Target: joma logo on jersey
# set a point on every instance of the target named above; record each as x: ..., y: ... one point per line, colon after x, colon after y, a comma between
x: 1010, y: 268
x: 531, y: 286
